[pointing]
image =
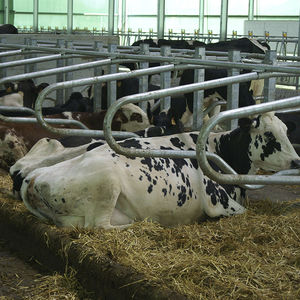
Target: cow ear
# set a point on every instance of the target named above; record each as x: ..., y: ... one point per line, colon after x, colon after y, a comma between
x: 245, y: 123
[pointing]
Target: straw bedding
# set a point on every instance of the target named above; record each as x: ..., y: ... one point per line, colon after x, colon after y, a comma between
x: 252, y: 256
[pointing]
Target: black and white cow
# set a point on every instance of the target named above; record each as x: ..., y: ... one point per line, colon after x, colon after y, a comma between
x: 47, y: 152
x: 182, y: 106
x: 292, y: 121
x: 125, y: 87
x: 103, y: 189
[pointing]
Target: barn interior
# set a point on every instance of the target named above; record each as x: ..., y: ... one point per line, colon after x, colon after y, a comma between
x: 98, y: 49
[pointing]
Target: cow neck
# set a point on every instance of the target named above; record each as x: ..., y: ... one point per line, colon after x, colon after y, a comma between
x: 233, y: 147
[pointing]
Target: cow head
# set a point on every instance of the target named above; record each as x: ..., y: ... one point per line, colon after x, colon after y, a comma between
x: 270, y: 148
x: 25, y: 164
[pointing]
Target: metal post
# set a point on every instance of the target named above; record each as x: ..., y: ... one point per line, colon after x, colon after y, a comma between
x: 251, y: 10
x: 224, y: 19
x: 27, y: 68
x: 160, y: 19
x: 35, y: 16
x: 60, y: 77
x: 6, y: 11
x: 298, y: 78
x: 201, y: 16
x: 68, y: 75
x: 233, y: 89
x: 112, y: 85
x: 270, y: 83
x: 33, y: 67
x: 111, y: 16
x: 98, y: 46
x: 165, y: 79
x: 199, y: 76
x: 70, y: 17
x: 143, y: 80
x: 3, y: 71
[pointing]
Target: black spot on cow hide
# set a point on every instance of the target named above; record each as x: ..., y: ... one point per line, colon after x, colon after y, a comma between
x: 271, y: 145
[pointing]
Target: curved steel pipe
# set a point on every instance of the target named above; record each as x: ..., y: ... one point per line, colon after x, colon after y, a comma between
x: 234, y: 114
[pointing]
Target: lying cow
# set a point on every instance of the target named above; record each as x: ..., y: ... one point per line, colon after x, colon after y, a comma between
x: 16, y: 139
x: 47, y: 152
x: 103, y: 189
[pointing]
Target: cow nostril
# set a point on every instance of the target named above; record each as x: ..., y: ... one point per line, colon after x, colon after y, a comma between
x: 295, y: 164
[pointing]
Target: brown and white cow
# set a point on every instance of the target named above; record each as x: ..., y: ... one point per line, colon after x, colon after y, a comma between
x: 16, y: 139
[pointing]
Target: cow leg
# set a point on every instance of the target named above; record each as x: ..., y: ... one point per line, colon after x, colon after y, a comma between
x: 218, y: 203
x: 104, y: 213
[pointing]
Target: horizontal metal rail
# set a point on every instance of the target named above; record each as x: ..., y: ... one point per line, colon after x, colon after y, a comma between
x: 32, y: 60
x: 10, y: 53
x: 138, y: 97
x: 54, y: 71
x: 48, y: 120
x: 172, y: 60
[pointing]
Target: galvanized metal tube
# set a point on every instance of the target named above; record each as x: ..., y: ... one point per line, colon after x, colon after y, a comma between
x: 11, y: 53
x: 233, y: 89
x: 270, y: 83
x: 240, y: 113
x: 29, y: 61
x: 143, y: 80
x: 48, y: 120
x: 247, y: 66
x: 199, y: 76
x: 54, y: 71
x: 165, y: 79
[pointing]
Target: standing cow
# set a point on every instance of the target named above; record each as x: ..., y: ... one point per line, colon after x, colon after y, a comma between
x: 103, y: 189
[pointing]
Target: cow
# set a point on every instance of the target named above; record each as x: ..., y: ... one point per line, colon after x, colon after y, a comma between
x: 47, y: 152
x: 76, y: 103
x: 103, y: 189
x: 21, y: 94
x: 248, y: 45
x: 16, y: 139
x: 8, y: 29
x: 125, y: 87
x: 182, y: 106
x: 292, y: 121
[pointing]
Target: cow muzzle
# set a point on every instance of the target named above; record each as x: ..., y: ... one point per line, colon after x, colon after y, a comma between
x: 295, y: 164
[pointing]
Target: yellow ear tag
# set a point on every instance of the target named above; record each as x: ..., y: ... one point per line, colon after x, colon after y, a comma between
x: 173, y: 121
x: 119, y: 83
x: 9, y: 90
